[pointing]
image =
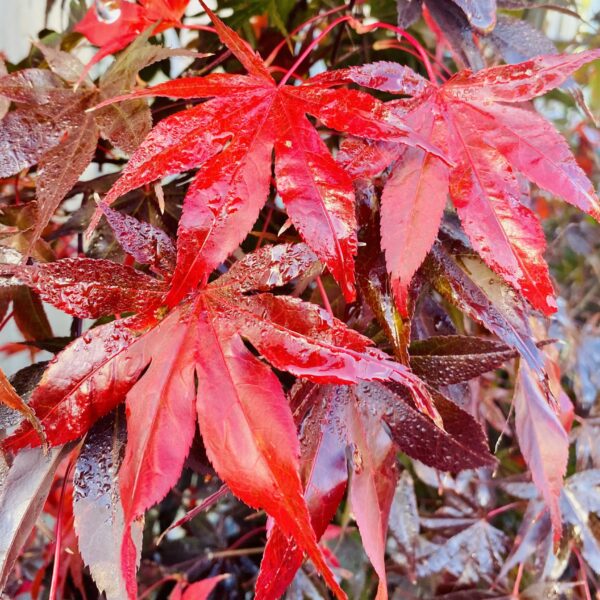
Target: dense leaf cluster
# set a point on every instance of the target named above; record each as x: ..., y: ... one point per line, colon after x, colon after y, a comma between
x: 317, y: 290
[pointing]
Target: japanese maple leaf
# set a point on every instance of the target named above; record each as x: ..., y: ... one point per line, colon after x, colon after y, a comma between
x: 112, y: 35
x: 232, y: 137
x: 363, y: 425
x: 50, y: 125
x: 491, y: 140
x: 151, y: 361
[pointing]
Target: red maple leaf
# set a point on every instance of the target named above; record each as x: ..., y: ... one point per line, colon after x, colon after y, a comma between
x: 492, y: 141
x: 130, y: 19
x: 232, y: 138
x: 151, y: 362
x: 363, y: 425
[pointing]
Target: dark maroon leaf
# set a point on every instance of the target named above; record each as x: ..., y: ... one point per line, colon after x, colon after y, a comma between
x: 449, y: 359
x: 460, y: 445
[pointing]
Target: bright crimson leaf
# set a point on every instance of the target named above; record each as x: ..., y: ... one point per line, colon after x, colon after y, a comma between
x: 160, y: 403
x: 111, y: 27
x: 257, y: 458
x: 255, y: 115
x: 324, y: 473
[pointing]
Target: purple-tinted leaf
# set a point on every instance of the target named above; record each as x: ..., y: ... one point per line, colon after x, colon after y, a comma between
x: 480, y: 13
x: 458, y: 32
x: 34, y: 86
x: 22, y: 497
x: 24, y: 137
x: 472, y: 555
x: 403, y: 520
x: 408, y: 12
x: 148, y: 244
x: 534, y: 531
x: 324, y: 474
x: 516, y: 40
x: 97, y: 506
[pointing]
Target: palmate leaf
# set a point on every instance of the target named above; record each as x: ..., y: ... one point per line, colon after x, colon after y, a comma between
x: 232, y: 137
x: 151, y: 361
x: 52, y: 129
x: 364, y: 426
x: 471, y: 555
x: 487, y: 136
x: 579, y: 506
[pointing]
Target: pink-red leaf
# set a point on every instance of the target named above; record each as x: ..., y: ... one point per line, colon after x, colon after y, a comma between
x: 543, y: 441
x: 372, y: 483
x: 412, y: 205
x: 519, y: 82
x: 537, y: 150
x: 505, y: 233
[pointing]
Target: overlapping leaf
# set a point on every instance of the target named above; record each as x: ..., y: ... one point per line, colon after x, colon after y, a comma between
x: 231, y: 138
x: 51, y: 128
x: 491, y: 140
x: 364, y: 425
x: 236, y: 390
x: 113, y: 25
